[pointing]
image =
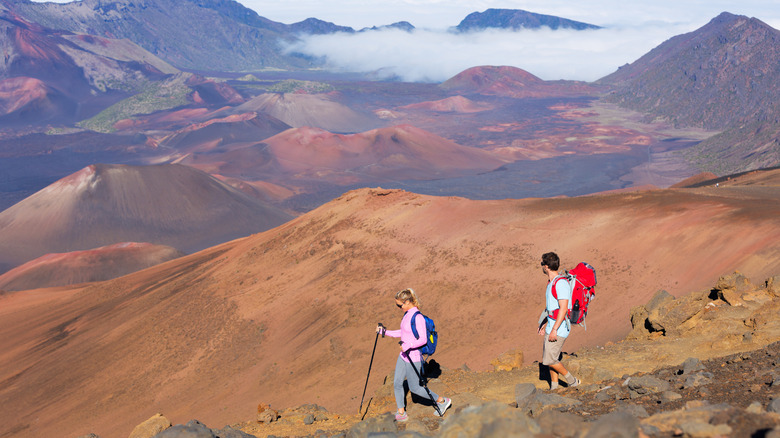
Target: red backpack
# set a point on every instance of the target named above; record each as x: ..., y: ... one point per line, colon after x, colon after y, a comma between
x: 582, y: 280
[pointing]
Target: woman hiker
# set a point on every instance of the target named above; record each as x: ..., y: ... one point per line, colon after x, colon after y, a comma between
x: 407, y: 301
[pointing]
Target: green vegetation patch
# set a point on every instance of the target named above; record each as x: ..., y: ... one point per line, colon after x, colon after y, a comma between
x: 155, y: 96
x: 248, y: 78
x: 297, y: 86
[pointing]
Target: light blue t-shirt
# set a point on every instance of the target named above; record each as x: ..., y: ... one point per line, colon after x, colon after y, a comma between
x: 563, y: 290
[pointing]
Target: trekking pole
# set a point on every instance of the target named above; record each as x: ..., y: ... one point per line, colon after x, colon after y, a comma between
x: 423, y: 382
x: 369, y: 365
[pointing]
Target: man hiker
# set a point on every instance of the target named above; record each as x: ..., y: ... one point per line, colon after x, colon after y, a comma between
x: 555, y: 327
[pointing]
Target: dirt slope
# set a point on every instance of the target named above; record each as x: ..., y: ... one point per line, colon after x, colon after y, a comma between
x: 317, y: 110
x: 286, y: 316
x: 97, y: 264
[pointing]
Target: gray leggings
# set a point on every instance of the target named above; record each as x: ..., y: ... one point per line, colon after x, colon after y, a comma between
x: 404, y: 371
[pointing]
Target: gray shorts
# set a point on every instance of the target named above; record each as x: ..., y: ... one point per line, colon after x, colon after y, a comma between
x: 552, y: 350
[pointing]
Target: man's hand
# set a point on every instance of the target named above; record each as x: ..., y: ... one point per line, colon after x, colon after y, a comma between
x: 553, y: 336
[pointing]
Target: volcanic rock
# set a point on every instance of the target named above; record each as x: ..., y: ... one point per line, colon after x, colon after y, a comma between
x: 151, y: 427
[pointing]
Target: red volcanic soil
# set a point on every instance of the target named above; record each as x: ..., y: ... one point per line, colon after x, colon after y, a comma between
x: 395, y: 153
x: 310, y: 154
x: 695, y: 179
x: 287, y: 316
x: 97, y: 264
x: 456, y: 104
x: 31, y: 99
x: 219, y: 133
x: 511, y: 82
x: 102, y: 204
x: 16, y: 93
x: 259, y: 189
x: 315, y: 110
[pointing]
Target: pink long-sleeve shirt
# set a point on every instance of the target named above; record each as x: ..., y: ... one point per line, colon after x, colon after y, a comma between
x: 410, y: 343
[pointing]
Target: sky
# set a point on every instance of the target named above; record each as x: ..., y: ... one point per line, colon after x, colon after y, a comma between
x: 631, y: 28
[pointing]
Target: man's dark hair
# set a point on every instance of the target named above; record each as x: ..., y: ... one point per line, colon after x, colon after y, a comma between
x: 551, y: 260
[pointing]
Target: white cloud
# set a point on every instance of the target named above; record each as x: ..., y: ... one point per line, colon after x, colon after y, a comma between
x: 631, y: 29
x: 434, y: 56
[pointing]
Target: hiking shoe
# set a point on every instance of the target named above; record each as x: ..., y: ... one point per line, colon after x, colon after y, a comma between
x: 443, y: 406
x: 576, y: 383
x: 401, y: 417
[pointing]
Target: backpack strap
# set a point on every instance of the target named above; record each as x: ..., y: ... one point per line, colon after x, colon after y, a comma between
x: 417, y: 336
x: 414, y: 326
x: 554, y: 313
x: 554, y: 281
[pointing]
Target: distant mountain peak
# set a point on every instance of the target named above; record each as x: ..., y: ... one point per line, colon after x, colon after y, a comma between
x: 315, y: 26
x: 517, y: 19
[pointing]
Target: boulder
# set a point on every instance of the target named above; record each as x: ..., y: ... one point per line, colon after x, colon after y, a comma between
x: 702, y: 429
x: 675, y: 317
x: 773, y: 286
x: 645, y: 319
x: 561, y: 424
x: 632, y: 409
x: 544, y: 401
x: 670, y: 396
x: 508, y: 361
x: 690, y: 365
x: 660, y: 298
x: 374, y: 425
x: 151, y: 427
x: 524, y: 394
x: 265, y: 414
x: 491, y: 420
x: 415, y: 425
x: 735, y: 282
x: 193, y: 429
x: 614, y: 425
x: 229, y: 432
x: 698, y: 379
x: 647, y: 384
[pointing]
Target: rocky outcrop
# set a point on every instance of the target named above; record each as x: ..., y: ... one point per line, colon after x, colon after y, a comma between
x: 151, y: 427
x: 702, y: 365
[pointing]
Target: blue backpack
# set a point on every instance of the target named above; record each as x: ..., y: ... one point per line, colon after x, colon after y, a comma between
x: 430, y: 347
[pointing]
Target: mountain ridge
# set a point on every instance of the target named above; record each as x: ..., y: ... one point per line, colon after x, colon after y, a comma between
x: 717, y: 77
